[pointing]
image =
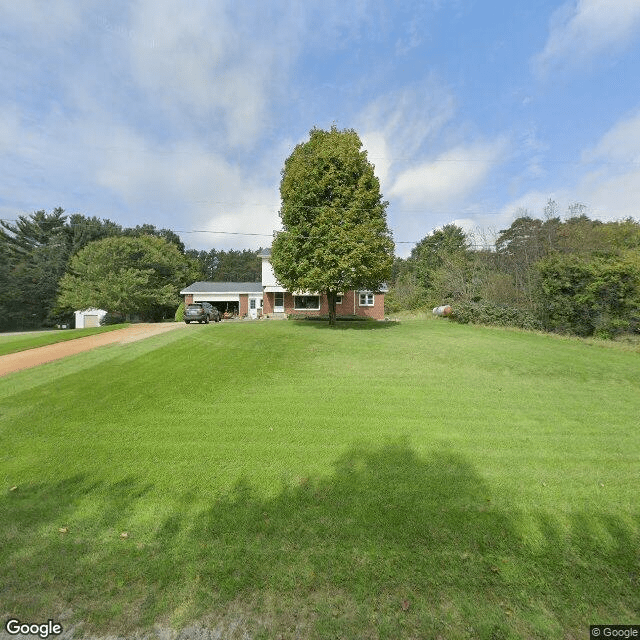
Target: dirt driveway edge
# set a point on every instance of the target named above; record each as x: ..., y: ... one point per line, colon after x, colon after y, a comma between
x: 33, y: 357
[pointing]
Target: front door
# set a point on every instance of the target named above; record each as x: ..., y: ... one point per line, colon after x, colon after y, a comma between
x: 253, y: 308
x: 278, y: 302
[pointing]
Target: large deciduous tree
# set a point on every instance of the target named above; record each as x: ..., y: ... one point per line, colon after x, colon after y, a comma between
x: 437, y: 250
x: 34, y: 254
x: 335, y: 235
x: 126, y: 275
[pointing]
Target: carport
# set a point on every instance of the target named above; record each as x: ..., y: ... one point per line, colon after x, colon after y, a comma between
x: 233, y: 298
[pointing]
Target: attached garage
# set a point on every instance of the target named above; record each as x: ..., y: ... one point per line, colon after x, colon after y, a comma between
x: 233, y: 298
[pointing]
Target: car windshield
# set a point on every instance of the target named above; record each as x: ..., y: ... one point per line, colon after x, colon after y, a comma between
x: 194, y: 306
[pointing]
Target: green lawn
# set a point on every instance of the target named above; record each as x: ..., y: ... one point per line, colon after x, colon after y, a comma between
x: 413, y: 480
x: 12, y: 343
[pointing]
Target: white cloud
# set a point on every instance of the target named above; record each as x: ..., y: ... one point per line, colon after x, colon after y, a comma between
x: 614, y: 197
x: 402, y: 133
x: 191, y: 187
x: 113, y: 171
x: 612, y: 186
x: 607, y: 182
x: 378, y: 154
x: 207, y: 64
x: 48, y: 22
x: 408, y: 118
x: 580, y: 30
x: 449, y: 179
x: 229, y: 64
x: 9, y: 128
x: 396, y: 127
x: 620, y: 144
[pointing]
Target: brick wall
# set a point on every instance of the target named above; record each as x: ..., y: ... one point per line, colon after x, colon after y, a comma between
x: 244, y: 304
x: 350, y: 306
x: 267, y: 304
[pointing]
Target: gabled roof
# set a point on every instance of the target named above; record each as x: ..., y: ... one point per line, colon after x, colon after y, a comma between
x: 223, y: 287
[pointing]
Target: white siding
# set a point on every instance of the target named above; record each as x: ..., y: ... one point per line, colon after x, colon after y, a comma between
x: 268, y: 277
x: 88, y: 317
x: 216, y: 297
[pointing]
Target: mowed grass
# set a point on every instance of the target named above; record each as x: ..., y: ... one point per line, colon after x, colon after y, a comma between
x: 12, y: 343
x: 281, y: 479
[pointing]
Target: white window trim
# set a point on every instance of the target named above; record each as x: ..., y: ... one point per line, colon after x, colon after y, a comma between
x: 296, y: 308
x: 367, y: 296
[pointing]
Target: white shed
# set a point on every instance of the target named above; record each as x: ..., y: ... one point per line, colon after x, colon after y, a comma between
x: 89, y: 318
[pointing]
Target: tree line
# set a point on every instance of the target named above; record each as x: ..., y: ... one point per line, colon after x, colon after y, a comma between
x: 52, y: 264
x: 573, y: 275
x: 576, y: 275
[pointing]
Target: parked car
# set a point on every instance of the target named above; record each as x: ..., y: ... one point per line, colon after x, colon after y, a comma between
x: 201, y: 312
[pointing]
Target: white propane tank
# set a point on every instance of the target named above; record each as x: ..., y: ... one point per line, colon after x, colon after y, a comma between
x: 444, y: 310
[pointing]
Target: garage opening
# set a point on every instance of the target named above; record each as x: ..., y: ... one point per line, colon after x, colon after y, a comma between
x: 228, y: 308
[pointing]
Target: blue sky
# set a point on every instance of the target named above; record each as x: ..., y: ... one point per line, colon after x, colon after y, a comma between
x: 182, y: 114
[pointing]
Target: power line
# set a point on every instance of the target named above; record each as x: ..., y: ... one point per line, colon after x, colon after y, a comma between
x: 190, y: 231
x: 97, y: 225
x: 228, y: 233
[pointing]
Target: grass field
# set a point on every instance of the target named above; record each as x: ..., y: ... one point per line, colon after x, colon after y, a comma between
x: 12, y: 343
x: 413, y: 480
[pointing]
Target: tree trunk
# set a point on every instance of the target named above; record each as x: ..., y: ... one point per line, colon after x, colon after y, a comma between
x: 331, y: 298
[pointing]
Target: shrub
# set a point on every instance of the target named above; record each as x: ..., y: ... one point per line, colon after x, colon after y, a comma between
x: 591, y: 295
x: 112, y: 318
x: 494, y: 314
x: 179, y: 317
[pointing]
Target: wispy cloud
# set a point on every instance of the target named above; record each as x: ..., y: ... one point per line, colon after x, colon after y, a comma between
x: 620, y: 144
x: 612, y: 186
x: 606, y: 180
x: 451, y: 178
x: 209, y: 63
x: 415, y: 139
x: 397, y: 127
x: 583, y: 29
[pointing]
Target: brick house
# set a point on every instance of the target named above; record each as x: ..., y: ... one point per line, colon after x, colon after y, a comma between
x: 268, y: 298
x: 278, y: 301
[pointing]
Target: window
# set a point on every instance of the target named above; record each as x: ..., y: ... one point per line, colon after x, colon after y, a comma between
x: 306, y: 303
x: 339, y: 299
x: 366, y: 299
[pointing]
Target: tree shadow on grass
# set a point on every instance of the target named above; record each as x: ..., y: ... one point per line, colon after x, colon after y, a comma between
x: 359, y: 324
x: 390, y: 545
